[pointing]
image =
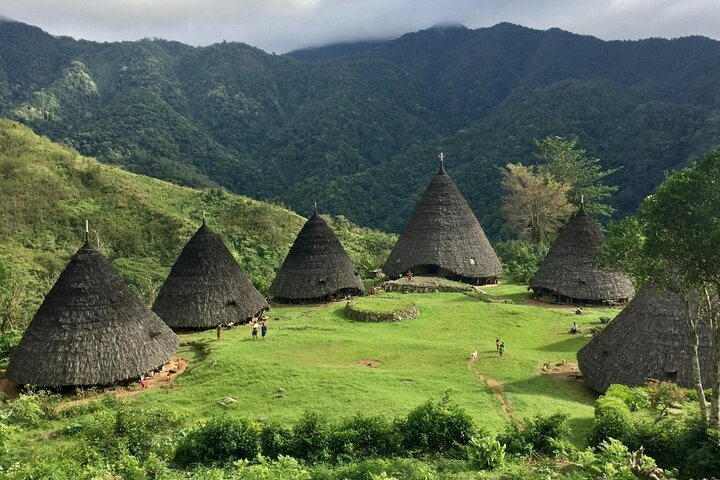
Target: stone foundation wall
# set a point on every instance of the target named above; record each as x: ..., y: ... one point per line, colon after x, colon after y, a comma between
x: 368, y: 316
x: 409, y: 288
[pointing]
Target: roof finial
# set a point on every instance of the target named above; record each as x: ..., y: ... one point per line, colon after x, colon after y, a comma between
x: 87, y: 230
x: 582, y: 202
x: 316, y: 212
x: 204, y: 217
x: 442, y: 159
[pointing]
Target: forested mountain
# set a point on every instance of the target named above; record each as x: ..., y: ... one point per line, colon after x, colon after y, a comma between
x: 358, y: 127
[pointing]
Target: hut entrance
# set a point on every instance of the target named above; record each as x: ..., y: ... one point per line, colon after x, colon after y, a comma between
x: 426, y: 270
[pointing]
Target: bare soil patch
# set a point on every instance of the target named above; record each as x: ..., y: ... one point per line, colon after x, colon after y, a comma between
x: 494, y: 385
x: 562, y: 370
x: 162, y: 378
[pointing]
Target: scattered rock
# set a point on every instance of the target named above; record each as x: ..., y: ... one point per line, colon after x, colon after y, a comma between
x: 227, y: 401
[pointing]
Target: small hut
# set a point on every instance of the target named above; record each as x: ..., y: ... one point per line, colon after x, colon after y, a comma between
x: 568, y: 273
x: 316, y: 269
x: 90, y: 330
x: 444, y: 238
x: 647, y: 340
x: 206, y: 286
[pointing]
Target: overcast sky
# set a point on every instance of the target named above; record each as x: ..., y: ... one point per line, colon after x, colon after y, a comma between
x: 283, y: 25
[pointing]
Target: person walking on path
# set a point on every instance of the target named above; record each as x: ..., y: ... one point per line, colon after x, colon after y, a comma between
x: 218, y: 329
x: 264, y: 328
x: 254, y: 330
x: 501, y: 350
x: 497, y: 344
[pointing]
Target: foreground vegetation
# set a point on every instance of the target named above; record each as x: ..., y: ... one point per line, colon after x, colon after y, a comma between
x: 312, y: 373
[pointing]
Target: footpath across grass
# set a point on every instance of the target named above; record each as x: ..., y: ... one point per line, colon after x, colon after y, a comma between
x: 315, y: 359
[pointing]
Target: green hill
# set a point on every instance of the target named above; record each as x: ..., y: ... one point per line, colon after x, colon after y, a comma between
x: 358, y: 126
x: 140, y: 223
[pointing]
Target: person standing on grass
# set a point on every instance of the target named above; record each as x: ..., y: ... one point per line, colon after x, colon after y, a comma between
x: 218, y: 329
x: 255, y: 330
x: 501, y: 350
x: 497, y: 344
x: 264, y: 328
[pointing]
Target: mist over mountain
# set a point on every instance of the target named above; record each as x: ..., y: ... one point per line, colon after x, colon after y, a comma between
x: 357, y: 127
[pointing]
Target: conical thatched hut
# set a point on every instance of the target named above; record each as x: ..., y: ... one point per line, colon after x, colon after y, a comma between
x: 316, y: 268
x: 444, y: 238
x: 206, y: 286
x: 90, y: 330
x: 568, y: 273
x: 648, y: 339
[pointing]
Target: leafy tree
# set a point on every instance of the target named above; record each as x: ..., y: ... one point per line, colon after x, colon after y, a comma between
x: 535, y: 203
x: 565, y: 162
x: 682, y: 228
x: 672, y: 242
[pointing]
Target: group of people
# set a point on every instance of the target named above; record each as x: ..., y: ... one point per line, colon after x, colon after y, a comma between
x: 258, y: 325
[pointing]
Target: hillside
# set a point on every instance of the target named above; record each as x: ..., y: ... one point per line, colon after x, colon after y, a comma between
x: 140, y: 223
x: 358, y: 126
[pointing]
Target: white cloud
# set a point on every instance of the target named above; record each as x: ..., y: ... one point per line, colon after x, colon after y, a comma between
x: 282, y: 25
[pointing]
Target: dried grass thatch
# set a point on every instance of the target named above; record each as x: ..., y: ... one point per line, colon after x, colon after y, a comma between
x: 444, y: 238
x: 316, y: 268
x: 206, y: 286
x: 90, y: 330
x: 648, y: 339
x: 568, y: 273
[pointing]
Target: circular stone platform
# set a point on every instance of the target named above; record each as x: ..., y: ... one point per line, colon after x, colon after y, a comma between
x: 381, y: 308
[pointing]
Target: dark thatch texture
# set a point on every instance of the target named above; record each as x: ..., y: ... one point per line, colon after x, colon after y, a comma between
x: 648, y: 339
x: 90, y: 330
x: 444, y: 238
x: 206, y: 286
x: 568, y: 273
x: 316, y: 268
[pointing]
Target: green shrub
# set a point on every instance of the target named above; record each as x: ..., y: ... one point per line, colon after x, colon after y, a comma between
x: 221, y: 439
x: 310, y: 438
x: 437, y: 427
x: 610, y: 461
x: 636, y: 398
x: 485, y: 453
x: 703, y: 460
x: 364, y: 436
x: 540, y: 434
x: 399, y: 468
x: 612, y: 420
x: 31, y: 409
x: 139, y: 433
x: 275, y: 440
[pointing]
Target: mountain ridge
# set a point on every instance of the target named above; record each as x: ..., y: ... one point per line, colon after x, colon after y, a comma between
x: 360, y: 132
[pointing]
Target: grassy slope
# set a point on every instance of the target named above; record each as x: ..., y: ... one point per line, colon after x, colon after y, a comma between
x: 313, y: 352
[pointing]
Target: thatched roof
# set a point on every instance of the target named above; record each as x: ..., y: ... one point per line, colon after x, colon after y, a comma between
x: 316, y: 267
x: 648, y: 339
x: 568, y: 272
x: 444, y: 238
x: 206, y: 286
x: 90, y: 330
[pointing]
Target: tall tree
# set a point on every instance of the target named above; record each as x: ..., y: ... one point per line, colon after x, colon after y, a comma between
x: 564, y: 161
x: 535, y: 205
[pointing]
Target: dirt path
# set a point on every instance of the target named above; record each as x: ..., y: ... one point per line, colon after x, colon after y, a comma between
x: 169, y: 372
x: 494, y: 385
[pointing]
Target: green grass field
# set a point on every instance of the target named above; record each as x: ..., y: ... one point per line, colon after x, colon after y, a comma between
x: 312, y: 360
